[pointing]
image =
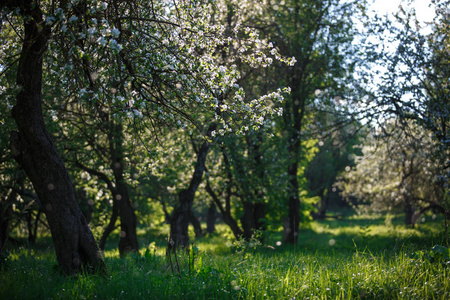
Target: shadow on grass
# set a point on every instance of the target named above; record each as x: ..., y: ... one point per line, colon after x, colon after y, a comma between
x: 352, y: 233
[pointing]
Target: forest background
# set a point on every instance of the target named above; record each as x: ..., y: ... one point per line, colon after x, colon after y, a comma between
x: 122, y: 120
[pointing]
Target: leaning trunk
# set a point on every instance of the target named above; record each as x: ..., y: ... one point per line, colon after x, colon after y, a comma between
x: 196, y: 224
x: 111, y: 225
x: 226, y: 212
x: 179, y: 237
x: 33, y: 149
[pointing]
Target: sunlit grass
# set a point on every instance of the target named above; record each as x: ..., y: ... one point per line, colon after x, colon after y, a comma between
x: 368, y: 258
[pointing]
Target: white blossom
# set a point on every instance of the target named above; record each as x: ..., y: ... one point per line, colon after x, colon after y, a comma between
x: 115, y: 32
x: 49, y: 20
x: 292, y: 62
x: 73, y: 19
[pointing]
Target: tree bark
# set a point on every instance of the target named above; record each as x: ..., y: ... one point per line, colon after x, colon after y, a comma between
x: 293, y: 122
x: 211, y: 218
x: 254, y: 210
x: 111, y: 225
x: 179, y: 237
x: 252, y: 219
x: 5, y: 217
x: 196, y: 224
x: 122, y: 206
x: 128, y: 237
x: 248, y: 220
x: 322, y: 213
x: 33, y: 149
x: 87, y: 205
x: 409, y: 213
x: 226, y: 212
x: 291, y: 232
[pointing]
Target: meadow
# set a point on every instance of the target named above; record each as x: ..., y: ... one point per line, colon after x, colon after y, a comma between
x: 355, y: 257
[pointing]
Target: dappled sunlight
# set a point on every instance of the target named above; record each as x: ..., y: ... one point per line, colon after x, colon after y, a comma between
x: 334, y: 259
x: 228, y: 149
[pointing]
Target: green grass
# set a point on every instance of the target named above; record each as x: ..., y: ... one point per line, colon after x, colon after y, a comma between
x: 360, y: 257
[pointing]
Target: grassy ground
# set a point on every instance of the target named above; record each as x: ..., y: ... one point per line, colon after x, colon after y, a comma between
x: 366, y: 257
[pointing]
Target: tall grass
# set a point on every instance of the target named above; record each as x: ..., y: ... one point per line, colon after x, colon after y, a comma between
x: 359, y: 258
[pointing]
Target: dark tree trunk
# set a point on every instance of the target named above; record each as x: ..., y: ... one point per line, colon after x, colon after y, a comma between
x: 166, y: 212
x: 291, y: 232
x: 259, y: 212
x: 196, y: 224
x: 323, y: 206
x: 31, y: 231
x: 252, y: 219
x: 293, y: 118
x: 34, y: 150
x: 179, y: 237
x: 409, y: 213
x: 111, y: 225
x: 128, y: 238
x: 5, y: 217
x: 122, y: 206
x: 225, y: 212
x: 211, y: 218
x: 32, y: 225
x: 87, y: 207
x: 247, y: 220
x: 36, y: 223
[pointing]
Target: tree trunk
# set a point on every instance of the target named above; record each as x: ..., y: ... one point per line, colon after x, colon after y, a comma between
x: 211, y: 218
x: 128, y: 237
x: 31, y: 235
x: 111, y: 225
x: 33, y: 149
x: 196, y: 224
x: 409, y: 213
x: 254, y: 211
x: 253, y: 218
x: 226, y: 212
x: 86, y: 206
x: 5, y: 217
x: 248, y: 220
x: 291, y: 232
x: 259, y: 212
x: 322, y: 213
x: 293, y: 118
x: 179, y: 237
x: 36, y: 223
